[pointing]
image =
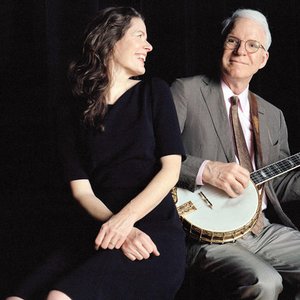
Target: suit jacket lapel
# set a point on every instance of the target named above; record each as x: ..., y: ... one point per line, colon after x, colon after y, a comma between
x: 213, y: 96
x: 264, y: 135
x: 214, y: 99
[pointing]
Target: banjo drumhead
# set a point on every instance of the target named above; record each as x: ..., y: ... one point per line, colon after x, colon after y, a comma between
x: 226, y: 214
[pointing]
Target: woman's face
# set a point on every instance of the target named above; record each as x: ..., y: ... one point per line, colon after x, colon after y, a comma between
x: 130, y: 52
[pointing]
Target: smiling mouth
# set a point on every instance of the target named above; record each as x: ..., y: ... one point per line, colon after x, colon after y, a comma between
x: 142, y: 57
x: 237, y: 62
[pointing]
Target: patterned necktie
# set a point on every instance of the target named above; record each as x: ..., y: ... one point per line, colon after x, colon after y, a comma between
x: 240, y: 143
x: 243, y: 153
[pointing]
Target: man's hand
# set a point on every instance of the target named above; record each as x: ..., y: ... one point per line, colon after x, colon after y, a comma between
x: 139, y: 245
x: 229, y: 177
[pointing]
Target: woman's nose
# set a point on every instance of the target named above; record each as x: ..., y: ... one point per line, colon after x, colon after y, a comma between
x: 148, y: 46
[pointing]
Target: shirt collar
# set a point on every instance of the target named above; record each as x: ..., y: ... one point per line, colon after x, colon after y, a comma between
x: 243, y: 97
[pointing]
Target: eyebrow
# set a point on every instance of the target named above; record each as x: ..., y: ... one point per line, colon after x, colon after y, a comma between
x: 140, y: 31
x: 232, y: 36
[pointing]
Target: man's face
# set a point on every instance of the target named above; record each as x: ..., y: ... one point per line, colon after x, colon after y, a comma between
x: 238, y: 65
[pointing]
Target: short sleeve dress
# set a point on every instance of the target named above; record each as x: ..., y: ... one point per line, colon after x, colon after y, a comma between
x: 140, y: 128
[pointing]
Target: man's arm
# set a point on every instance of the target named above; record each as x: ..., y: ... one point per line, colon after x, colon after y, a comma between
x: 190, y: 167
x: 229, y: 177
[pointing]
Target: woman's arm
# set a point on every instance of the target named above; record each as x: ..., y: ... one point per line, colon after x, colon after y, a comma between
x: 138, y: 245
x: 83, y: 193
x: 114, y: 232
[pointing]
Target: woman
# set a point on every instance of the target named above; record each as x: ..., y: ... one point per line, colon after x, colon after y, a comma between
x: 122, y: 155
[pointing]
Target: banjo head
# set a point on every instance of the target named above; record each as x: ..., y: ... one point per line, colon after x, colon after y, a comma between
x: 209, y: 214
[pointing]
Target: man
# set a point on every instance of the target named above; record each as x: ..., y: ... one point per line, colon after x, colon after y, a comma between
x: 255, y: 265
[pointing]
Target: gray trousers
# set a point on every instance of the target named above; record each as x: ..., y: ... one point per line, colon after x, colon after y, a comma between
x: 253, y: 267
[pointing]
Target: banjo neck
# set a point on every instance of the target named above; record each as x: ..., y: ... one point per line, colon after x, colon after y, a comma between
x: 276, y: 169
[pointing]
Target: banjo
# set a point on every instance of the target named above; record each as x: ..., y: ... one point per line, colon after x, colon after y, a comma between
x: 209, y: 214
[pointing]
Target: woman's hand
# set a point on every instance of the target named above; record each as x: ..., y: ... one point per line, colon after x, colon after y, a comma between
x: 113, y: 233
x: 139, y: 245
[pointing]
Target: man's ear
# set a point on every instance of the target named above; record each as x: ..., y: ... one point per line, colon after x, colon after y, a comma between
x: 265, y: 58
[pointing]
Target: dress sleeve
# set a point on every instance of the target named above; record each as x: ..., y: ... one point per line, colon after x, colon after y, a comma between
x: 166, y: 126
x: 70, y: 146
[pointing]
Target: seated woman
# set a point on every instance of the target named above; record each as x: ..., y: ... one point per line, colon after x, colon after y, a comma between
x: 122, y: 153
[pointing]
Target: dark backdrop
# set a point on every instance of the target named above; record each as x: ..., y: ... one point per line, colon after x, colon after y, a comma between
x: 38, y: 40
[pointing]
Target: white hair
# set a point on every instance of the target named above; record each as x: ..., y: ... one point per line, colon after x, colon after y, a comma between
x: 249, y: 14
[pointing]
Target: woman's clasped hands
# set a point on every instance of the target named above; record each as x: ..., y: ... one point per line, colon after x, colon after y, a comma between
x: 119, y: 233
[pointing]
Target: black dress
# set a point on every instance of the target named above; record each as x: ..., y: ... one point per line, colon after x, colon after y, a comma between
x: 140, y: 128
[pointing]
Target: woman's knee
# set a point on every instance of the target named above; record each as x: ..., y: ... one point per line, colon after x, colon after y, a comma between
x: 57, y: 295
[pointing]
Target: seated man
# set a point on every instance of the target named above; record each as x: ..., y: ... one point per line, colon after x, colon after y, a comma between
x: 228, y: 132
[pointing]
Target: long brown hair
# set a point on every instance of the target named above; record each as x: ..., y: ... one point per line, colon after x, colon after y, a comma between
x: 89, y: 75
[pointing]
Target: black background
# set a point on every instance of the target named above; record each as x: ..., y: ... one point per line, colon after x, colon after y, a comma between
x: 39, y: 39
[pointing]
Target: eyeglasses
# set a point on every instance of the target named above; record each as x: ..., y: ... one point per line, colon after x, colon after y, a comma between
x: 251, y: 46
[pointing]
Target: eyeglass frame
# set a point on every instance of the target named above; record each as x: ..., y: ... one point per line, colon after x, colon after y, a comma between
x: 239, y: 44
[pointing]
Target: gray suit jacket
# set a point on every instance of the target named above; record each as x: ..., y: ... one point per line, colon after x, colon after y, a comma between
x: 206, y: 135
